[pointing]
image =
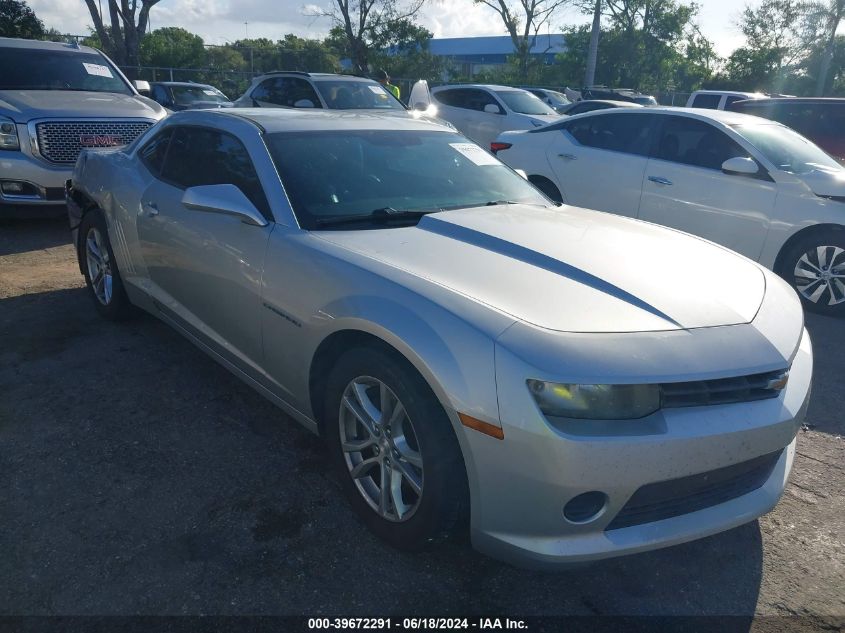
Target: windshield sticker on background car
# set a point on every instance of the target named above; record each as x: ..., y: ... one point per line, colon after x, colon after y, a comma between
x: 377, y: 89
x: 98, y: 70
x: 475, y: 153
x: 210, y: 93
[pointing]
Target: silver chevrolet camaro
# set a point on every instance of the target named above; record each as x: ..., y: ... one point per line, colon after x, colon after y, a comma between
x: 570, y: 385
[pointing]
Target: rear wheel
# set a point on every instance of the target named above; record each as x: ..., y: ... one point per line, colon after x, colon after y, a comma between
x: 815, y: 267
x: 394, y: 449
x: 100, y: 268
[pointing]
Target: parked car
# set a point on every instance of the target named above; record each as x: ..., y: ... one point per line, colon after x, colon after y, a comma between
x: 482, y: 112
x: 580, y: 107
x: 719, y: 99
x: 378, y: 279
x: 604, y: 93
x: 820, y: 120
x: 55, y: 100
x: 752, y: 185
x: 179, y: 95
x: 557, y: 101
x: 292, y: 89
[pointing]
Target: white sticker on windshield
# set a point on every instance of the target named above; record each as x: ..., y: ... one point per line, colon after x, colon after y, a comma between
x: 98, y: 70
x: 210, y: 93
x: 475, y: 154
x: 377, y: 89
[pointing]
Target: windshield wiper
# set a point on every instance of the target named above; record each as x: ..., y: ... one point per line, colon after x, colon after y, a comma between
x: 376, y: 216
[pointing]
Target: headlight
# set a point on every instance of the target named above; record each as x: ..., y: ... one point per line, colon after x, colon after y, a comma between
x: 8, y: 134
x: 595, y: 402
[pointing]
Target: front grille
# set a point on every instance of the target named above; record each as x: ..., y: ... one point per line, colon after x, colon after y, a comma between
x: 672, y: 498
x: 724, y: 390
x: 61, y: 141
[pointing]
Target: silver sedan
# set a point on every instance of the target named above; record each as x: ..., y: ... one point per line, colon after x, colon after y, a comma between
x: 472, y: 354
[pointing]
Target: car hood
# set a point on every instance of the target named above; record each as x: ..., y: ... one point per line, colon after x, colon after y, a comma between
x: 569, y: 269
x: 825, y: 182
x: 24, y: 105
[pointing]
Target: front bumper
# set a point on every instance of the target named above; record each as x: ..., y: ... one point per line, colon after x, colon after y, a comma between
x: 522, y: 483
x: 40, y: 184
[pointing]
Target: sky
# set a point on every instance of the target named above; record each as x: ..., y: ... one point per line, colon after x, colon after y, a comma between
x: 219, y: 21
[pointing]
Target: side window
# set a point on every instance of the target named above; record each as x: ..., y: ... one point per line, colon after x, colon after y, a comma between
x: 693, y: 142
x: 200, y: 156
x: 708, y: 101
x: 454, y: 98
x: 628, y: 133
x: 478, y: 99
x: 285, y: 92
x: 160, y: 95
x: 732, y: 99
x: 153, y: 153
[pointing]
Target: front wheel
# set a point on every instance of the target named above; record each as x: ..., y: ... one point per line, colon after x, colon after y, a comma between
x: 394, y: 448
x: 815, y: 267
x: 100, y: 268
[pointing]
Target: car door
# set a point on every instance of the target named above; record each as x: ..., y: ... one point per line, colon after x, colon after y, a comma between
x: 205, y: 268
x: 686, y: 189
x: 454, y: 106
x: 599, y: 160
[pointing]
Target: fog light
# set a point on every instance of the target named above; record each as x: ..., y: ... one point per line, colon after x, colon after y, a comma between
x: 13, y: 187
x: 585, y: 507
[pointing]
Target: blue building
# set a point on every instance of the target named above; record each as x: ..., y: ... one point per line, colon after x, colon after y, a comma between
x: 471, y: 55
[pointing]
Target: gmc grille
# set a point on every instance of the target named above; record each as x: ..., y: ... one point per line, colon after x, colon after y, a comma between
x: 62, y: 141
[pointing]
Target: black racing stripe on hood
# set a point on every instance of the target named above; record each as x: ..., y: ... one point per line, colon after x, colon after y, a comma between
x: 433, y: 224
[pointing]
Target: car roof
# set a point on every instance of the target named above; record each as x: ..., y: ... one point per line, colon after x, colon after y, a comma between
x: 799, y: 100
x: 307, y: 119
x: 13, y: 42
x: 314, y: 76
x: 724, y: 117
x: 727, y: 92
x: 482, y: 86
x: 180, y: 83
x: 621, y: 104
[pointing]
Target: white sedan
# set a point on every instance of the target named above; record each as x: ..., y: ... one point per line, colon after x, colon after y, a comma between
x: 471, y: 354
x: 747, y: 183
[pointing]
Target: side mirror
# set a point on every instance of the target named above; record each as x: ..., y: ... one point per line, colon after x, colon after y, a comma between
x: 492, y: 108
x: 740, y: 165
x: 303, y: 103
x: 142, y: 86
x: 225, y: 199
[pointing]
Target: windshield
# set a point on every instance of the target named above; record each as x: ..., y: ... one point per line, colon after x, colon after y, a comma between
x: 558, y: 97
x: 523, y: 102
x: 788, y: 150
x: 356, y: 95
x: 28, y: 69
x: 332, y: 174
x: 186, y: 95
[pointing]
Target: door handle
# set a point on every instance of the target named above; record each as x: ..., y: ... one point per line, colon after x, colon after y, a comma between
x: 150, y: 207
x: 660, y: 180
x: 568, y: 156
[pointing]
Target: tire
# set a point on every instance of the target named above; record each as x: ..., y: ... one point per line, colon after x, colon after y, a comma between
x: 815, y: 267
x: 417, y: 447
x: 547, y: 187
x: 96, y: 256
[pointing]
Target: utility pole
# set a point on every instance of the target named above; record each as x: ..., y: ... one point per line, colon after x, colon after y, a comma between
x: 246, y: 29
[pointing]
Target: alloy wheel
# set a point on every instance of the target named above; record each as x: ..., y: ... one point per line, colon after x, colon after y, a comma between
x: 99, y: 266
x: 820, y: 275
x: 381, y: 449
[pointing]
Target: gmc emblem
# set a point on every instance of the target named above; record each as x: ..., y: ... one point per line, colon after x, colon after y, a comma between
x: 100, y: 140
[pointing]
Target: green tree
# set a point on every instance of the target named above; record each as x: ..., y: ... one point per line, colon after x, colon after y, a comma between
x: 18, y: 20
x: 173, y: 47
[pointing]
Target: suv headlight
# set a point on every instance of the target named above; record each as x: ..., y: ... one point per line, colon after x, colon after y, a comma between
x: 595, y: 402
x: 8, y: 134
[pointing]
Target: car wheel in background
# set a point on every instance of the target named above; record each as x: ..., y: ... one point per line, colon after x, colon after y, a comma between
x: 393, y: 445
x: 815, y: 267
x: 100, y: 268
x: 547, y: 187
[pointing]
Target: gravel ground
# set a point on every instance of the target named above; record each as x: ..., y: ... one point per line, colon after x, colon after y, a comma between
x: 139, y: 477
